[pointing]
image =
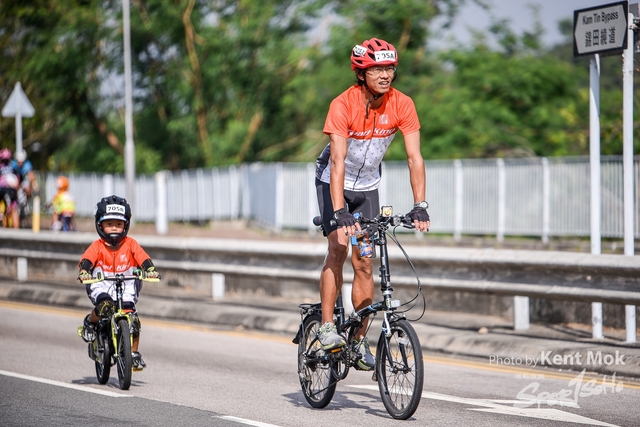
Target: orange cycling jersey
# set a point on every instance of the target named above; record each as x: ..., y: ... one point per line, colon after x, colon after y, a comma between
x: 123, y: 260
x: 367, y: 138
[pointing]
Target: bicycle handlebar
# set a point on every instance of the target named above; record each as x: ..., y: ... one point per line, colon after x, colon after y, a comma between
x: 120, y: 277
x: 394, y: 220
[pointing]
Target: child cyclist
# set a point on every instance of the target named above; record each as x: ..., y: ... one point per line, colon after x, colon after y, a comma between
x: 113, y: 253
x: 64, y: 206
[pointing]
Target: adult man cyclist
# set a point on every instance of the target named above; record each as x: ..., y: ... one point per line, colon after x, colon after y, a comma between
x: 361, y: 123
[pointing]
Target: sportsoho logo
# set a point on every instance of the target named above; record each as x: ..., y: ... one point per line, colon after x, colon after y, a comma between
x: 578, y: 387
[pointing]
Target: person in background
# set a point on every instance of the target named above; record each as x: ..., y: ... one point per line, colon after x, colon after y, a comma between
x: 23, y: 169
x: 8, y: 190
x: 64, y: 206
x: 113, y: 253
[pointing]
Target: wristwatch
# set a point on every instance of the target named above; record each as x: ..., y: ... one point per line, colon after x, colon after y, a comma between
x: 422, y: 205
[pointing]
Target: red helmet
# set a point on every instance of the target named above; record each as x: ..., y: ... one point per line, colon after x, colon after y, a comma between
x: 373, y: 52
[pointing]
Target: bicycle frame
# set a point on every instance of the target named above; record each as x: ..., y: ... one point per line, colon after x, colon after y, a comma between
x: 399, y: 367
x: 349, y: 326
x: 387, y: 304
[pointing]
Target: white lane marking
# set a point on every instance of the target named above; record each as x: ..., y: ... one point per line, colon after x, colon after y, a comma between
x: 245, y: 421
x: 542, y: 413
x: 521, y: 402
x: 61, y: 384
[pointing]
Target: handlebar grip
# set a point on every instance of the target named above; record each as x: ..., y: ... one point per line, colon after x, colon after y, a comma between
x: 407, y: 222
x: 317, y: 221
x: 99, y: 278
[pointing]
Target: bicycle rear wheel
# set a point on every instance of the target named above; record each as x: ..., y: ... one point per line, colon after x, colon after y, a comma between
x: 400, y: 370
x: 102, y: 358
x: 124, y: 357
x: 314, y: 365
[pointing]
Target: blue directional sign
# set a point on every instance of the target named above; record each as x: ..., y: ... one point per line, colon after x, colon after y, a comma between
x: 600, y: 29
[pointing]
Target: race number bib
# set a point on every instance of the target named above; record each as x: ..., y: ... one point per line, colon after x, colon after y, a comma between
x: 119, y: 209
x: 385, y: 55
x: 359, y: 50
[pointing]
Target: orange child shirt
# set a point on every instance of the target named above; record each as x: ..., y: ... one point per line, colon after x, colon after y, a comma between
x: 123, y: 260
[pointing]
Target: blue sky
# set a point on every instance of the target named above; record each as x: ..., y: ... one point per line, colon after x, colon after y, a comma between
x: 520, y: 16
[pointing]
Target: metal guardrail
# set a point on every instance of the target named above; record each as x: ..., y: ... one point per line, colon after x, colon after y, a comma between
x: 571, y: 293
x: 293, y: 269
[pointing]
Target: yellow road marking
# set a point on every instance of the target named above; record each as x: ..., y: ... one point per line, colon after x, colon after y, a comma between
x: 178, y: 324
x: 40, y: 308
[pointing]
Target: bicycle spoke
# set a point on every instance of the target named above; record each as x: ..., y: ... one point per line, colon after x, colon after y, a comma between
x: 315, y: 366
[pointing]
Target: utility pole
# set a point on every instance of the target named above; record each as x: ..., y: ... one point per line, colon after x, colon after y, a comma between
x: 129, y: 147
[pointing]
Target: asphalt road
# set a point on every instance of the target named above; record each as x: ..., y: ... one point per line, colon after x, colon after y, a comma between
x: 199, y: 376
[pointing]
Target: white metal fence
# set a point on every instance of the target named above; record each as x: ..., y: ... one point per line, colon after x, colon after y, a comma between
x: 518, y: 197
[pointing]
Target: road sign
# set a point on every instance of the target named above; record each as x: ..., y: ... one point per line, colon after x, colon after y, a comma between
x: 18, y: 104
x: 600, y: 29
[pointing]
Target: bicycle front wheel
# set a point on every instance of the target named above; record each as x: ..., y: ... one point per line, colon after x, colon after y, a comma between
x: 314, y: 365
x: 124, y: 357
x: 400, y: 370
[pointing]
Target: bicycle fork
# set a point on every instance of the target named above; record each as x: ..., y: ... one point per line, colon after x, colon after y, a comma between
x: 115, y: 332
x: 402, y: 341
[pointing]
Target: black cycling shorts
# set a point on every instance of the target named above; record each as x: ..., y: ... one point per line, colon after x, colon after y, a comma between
x: 365, y: 202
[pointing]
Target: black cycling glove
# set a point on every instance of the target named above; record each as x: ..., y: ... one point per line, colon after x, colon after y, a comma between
x: 344, y: 218
x: 418, y: 214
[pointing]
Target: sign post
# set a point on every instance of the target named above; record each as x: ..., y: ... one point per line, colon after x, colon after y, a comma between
x: 608, y: 29
x: 18, y: 106
x: 627, y: 161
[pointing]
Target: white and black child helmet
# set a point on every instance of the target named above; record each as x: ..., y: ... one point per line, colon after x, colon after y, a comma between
x: 113, y: 207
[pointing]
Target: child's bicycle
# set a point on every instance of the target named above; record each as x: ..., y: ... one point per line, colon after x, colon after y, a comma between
x: 114, y: 334
x: 399, y: 368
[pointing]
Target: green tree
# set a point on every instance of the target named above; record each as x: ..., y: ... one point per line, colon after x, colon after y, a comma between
x: 54, y: 48
x: 408, y: 25
x: 514, y: 100
x: 234, y: 81
x: 208, y: 78
x: 611, y: 93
